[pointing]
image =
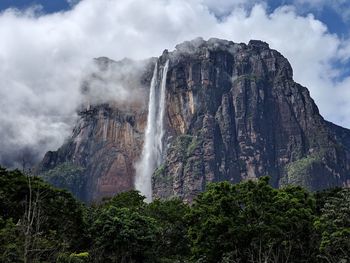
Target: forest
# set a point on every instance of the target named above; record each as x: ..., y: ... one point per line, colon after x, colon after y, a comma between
x: 239, y: 223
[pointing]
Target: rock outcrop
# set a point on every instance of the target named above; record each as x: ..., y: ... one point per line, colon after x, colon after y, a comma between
x: 233, y: 113
x: 108, y: 138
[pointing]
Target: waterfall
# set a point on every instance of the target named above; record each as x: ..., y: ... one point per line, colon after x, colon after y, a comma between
x: 160, y: 119
x: 152, y: 150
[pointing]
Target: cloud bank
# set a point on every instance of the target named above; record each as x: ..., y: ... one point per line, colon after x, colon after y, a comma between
x: 43, y: 57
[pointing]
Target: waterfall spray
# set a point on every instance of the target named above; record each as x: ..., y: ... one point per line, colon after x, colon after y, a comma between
x: 152, y: 151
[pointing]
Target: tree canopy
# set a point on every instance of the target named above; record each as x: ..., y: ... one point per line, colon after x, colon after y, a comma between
x: 245, y: 222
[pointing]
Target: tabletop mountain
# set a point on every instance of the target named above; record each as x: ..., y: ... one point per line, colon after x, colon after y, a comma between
x: 233, y: 112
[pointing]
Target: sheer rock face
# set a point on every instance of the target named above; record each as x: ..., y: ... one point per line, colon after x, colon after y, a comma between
x: 233, y: 113
x: 108, y: 138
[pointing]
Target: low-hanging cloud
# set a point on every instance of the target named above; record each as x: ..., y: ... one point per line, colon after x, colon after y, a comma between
x: 121, y: 82
x: 44, y: 57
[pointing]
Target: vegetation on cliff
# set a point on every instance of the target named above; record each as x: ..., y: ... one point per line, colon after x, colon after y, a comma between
x: 245, y: 222
x: 67, y: 176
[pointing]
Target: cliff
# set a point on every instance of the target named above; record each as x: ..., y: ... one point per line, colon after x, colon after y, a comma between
x: 233, y: 112
x: 98, y: 160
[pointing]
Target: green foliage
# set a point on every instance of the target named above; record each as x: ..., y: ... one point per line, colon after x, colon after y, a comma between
x: 159, y: 171
x: 251, y: 220
x: 192, y: 146
x: 73, y: 258
x: 181, y: 144
x: 245, y: 222
x: 10, y: 243
x: 172, y: 242
x: 298, y: 172
x: 323, y: 196
x: 161, y: 178
x: 38, y: 221
x: 123, y: 235
x: 131, y: 200
x: 185, y: 145
x: 68, y: 176
x: 13, y: 190
x: 120, y: 231
x: 334, y: 228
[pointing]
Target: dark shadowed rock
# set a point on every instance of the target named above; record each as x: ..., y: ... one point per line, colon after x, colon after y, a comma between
x: 233, y: 113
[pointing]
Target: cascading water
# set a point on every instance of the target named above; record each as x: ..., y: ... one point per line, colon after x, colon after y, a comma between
x: 152, y: 150
x: 160, y: 119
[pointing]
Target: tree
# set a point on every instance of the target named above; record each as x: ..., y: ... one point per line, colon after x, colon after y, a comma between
x: 10, y: 242
x: 251, y: 222
x: 123, y: 235
x: 131, y: 199
x: 334, y: 228
x: 73, y: 258
x: 46, y: 221
x: 172, y: 242
x: 30, y: 225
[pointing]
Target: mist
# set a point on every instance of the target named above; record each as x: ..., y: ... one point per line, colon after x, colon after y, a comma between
x: 108, y: 81
x: 46, y: 60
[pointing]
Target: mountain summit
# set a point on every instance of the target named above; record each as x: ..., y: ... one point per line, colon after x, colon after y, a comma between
x: 232, y: 112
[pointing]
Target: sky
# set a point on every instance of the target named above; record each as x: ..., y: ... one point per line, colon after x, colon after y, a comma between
x: 47, y: 47
x: 48, y: 6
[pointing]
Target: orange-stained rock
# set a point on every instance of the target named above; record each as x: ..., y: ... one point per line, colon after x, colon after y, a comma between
x: 233, y: 112
x: 107, y: 141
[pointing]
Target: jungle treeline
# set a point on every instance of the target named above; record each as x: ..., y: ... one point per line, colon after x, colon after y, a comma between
x: 238, y: 223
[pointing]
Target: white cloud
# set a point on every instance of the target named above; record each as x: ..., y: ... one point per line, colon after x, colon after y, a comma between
x: 43, y: 57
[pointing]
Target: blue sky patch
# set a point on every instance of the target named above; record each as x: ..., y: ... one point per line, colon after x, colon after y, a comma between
x: 49, y: 6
